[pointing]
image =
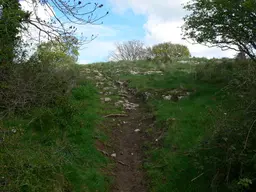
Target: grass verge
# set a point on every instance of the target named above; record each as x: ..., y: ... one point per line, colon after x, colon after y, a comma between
x: 180, y: 127
x: 53, y: 149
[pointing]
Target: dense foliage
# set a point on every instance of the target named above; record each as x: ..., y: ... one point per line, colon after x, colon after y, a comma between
x: 228, y: 24
x: 136, y: 50
x: 167, y: 51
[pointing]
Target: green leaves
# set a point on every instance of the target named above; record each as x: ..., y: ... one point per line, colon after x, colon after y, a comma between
x: 10, y: 25
x: 168, y: 51
x: 225, y: 24
x: 61, y: 53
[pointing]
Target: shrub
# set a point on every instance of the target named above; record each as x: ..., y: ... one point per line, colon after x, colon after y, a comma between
x: 167, y: 51
x: 227, y: 155
x: 214, y: 72
x: 47, y: 77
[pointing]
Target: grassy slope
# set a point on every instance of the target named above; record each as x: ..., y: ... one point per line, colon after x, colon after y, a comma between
x: 54, y: 149
x: 169, y: 166
x: 65, y: 146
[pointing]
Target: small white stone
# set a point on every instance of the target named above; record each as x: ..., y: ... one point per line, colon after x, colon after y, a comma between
x: 180, y: 97
x: 131, y: 153
x: 137, y: 130
x: 167, y: 97
x: 14, y: 130
x: 107, y: 99
x: 113, y: 155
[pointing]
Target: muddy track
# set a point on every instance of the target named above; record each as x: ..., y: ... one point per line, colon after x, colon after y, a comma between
x: 128, y: 141
x: 128, y: 133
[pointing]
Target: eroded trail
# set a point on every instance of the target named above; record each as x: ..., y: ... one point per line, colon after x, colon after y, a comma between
x: 129, y: 139
x: 128, y: 132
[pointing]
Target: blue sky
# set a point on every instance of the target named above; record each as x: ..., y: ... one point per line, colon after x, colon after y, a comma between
x: 116, y: 27
x: 151, y: 21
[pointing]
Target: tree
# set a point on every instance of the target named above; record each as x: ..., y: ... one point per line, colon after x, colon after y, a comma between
x: 10, y: 25
x: 130, y: 51
x: 228, y: 24
x: 65, y: 16
x: 241, y: 56
x: 168, y: 51
x: 61, y: 53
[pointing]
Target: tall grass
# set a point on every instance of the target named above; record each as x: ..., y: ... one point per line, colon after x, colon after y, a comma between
x: 53, y: 149
x: 206, y: 142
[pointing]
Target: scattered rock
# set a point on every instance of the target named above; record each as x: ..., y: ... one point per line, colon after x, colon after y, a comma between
x: 107, y: 99
x: 167, y: 97
x: 176, y: 94
x: 106, y: 88
x: 108, y: 93
x: 180, y: 97
x: 113, y: 155
x: 137, y: 130
x: 152, y: 72
x: 119, y: 103
x: 134, y: 72
x: 98, y: 77
x: 147, y: 95
x: 130, y: 106
x: 126, y: 104
x: 14, y: 130
x: 120, y: 83
x: 99, y: 83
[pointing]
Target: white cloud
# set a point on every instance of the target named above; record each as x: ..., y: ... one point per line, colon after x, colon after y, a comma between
x: 165, y: 9
x: 164, y: 21
x: 101, y: 30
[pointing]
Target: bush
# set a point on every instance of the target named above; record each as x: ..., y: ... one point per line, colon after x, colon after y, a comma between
x: 165, y: 52
x: 227, y: 155
x: 43, y: 80
x: 53, y: 148
x: 213, y: 72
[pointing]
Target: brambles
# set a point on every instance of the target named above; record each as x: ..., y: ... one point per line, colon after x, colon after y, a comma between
x: 48, y: 76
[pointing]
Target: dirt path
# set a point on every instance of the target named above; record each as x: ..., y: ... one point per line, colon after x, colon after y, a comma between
x: 128, y: 133
x: 129, y: 139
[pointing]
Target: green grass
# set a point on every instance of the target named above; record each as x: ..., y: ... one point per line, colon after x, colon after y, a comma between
x: 181, y: 136
x: 178, y: 161
x: 169, y: 166
x: 185, y: 124
x: 53, y: 149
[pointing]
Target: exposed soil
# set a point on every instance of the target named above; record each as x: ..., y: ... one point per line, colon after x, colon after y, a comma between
x: 128, y: 140
x: 128, y: 133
